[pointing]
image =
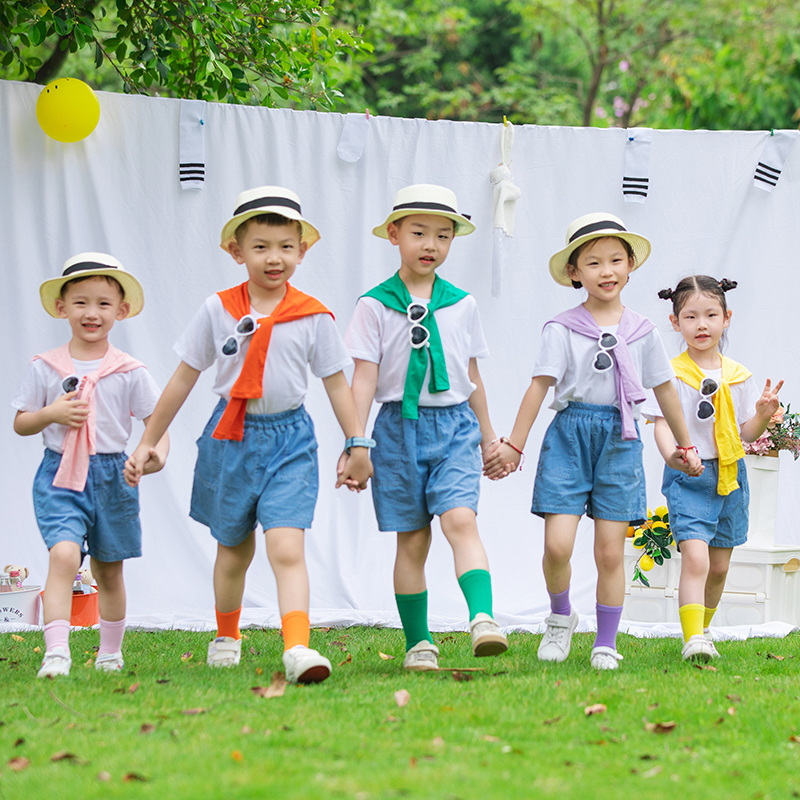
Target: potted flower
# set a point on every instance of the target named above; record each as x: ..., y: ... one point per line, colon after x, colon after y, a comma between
x: 782, y: 433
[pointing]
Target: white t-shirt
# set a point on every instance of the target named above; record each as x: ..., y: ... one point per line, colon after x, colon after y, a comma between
x: 294, y: 346
x: 117, y: 397
x: 567, y: 357
x: 701, y: 431
x: 381, y: 335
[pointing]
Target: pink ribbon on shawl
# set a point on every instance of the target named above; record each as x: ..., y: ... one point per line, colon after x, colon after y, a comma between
x: 79, y: 443
x: 632, y: 326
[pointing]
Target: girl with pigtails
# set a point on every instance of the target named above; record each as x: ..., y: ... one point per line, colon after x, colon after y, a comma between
x: 722, y: 406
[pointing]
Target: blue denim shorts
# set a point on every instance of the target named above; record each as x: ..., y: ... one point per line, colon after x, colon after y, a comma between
x: 424, y: 466
x: 586, y: 466
x: 270, y: 476
x: 696, y: 511
x: 103, y: 519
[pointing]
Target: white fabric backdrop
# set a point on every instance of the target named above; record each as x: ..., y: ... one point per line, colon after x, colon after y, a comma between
x: 118, y: 191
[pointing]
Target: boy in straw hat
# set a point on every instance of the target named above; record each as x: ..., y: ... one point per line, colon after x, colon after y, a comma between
x: 81, y: 397
x: 600, y: 357
x: 257, y: 457
x: 416, y: 339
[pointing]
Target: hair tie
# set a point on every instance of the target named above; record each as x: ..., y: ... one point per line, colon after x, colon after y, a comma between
x: 666, y: 294
x: 727, y: 285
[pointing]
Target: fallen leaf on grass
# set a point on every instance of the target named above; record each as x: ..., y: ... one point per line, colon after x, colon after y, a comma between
x: 324, y: 630
x: 63, y: 755
x: 348, y: 660
x: 489, y: 738
x: 772, y: 655
x: 147, y: 728
x: 731, y: 711
x: 794, y: 738
x: 390, y: 718
x: 597, y: 708
x: 708, y: 667
x: 276, y: 688
x: 648, y: 757
x: 17, y: 638
x: 37, y: 649
x: 89, y: 662
x: 259, y: 671
x: 734, y: 698
x: 401, y: 697
x: 660, y: 727
x: 163, y: 680
x: 189, y: 711
x: 236, y: 755
x: 460, y: 676
x: 19, y: 763
x: 133, y: 687
x: 341, y: 645
x: 104, y: 776
x: 19, y: 742
x: 720, y: 721
x: 437, y: 741
x: 412, y: 762
x: 385, y: 657
x: 133, y: 776
x: 651, y: 773
x: 652, y: 706
x: 186, y: 656
x: 252, y: 650
x: 551, y: 721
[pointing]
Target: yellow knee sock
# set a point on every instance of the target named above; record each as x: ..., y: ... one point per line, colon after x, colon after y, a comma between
x: 708, y: 615
x: 296, y: 629
x: 691, y: 620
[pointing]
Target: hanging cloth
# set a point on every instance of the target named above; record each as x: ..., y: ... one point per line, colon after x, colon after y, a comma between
x: 506, y: 195
x: 80, y: 443
x: 632, y: 326
x: 250, y: 383
x: 394, y: 295
x: 726, y: 431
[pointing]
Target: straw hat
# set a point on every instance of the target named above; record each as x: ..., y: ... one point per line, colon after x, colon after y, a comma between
x: 425, y: 198
x: 92, y: 265
x: 267, y: 200
x: 596, y: 226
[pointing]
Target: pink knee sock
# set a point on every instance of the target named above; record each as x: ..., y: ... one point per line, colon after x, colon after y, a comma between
x: 56, y: 634
x: 111, y: 634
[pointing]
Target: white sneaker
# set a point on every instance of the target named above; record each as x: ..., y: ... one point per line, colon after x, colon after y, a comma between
x: 487, y: 640
x: 714, y: 652
x: 605, y: 658
x: 304, y: 665
x: 224, y: 651
x: 423, y: 656
x: 55, y: 662
x: 109, y: 662
x: 557, y: 638
x: 698, y: 648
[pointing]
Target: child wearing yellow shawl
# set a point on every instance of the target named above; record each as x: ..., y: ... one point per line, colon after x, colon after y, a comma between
x: 722, y: 405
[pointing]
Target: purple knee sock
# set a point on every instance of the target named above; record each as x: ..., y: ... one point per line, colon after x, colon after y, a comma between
x: 607, y: 625
x: 559, y: 603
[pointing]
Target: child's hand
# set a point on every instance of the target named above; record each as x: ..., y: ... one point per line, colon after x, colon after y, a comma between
x: 136, y: 464
x: 768, y: 403
x: 354, y: 470
x: 499, y: 461
x: 691, y: 466
x: 68, y: 410
x: 154, y: 462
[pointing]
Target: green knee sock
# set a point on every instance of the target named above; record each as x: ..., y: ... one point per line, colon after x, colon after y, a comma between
x: 477, y: 587
x: 413, y: 610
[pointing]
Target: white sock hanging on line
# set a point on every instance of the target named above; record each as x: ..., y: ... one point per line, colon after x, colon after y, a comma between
x: 773, y: 157
x: 636, y: 175
x: 353, y: 138
x: 192, y: 169
x: 506, y: 195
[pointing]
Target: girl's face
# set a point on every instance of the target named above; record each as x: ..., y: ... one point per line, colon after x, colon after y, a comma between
x: 603, y: 268
x: 701, y: 322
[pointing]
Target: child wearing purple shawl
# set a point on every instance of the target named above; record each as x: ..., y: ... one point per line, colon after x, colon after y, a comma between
x: 600, y: 357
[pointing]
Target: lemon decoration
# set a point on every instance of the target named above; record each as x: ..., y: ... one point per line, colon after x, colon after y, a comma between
x: 646, y: 563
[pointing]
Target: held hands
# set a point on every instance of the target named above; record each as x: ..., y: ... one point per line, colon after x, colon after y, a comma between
x: 68, y: 410
x: 143, y: 461
x: 354, y: 470
x: 686, y: 461
x: 768, y: 403
x: 500, y: 460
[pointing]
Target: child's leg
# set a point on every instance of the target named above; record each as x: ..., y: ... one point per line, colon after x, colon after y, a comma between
x: 692, y: 598
x: 230, y: 569
x: 65, y: 561
x: 286, y: 555
x: 719, y: 561
x: 410, y: 588
x: 111, y: 598
x: 609, y: 544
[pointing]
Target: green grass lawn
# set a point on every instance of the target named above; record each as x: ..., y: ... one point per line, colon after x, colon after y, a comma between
x: 169, y: 727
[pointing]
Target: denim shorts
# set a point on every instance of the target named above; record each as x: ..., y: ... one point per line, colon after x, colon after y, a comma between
x: 586, y: 466
x: 270, y: 476
x: 103, y: 519
x: 696, y: 511
x: 424, y: 466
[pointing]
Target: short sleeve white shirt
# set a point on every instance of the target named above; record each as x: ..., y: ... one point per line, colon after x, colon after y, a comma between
x: 701, y: 431
x: 381, y: 335
x: 118, y: 398
x: 313, y: 341
x: 567, y: 357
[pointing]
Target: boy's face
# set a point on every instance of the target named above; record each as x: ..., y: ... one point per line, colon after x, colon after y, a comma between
x: 424, y: 241
x: 603, y: 268
x: 271, y: 253
x: 92, y: 307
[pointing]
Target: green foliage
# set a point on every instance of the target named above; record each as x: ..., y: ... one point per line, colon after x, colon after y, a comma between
x: 237, y: 51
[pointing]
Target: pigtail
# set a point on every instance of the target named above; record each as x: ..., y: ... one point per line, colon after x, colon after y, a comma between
x: 666, y: 294
x: 727, y: 285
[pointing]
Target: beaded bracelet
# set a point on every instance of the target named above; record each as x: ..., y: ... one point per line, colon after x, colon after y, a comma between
x: 506, y: 440
x: 686, y: 450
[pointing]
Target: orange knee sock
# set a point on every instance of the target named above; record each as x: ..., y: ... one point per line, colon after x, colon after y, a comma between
x: 296, y: 629
x: 228, y: 623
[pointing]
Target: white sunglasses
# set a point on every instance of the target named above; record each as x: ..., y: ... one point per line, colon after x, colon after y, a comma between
x: 418, y: 335
x: 602, y: 359
x: 245, y: 327
x: 705, y: 408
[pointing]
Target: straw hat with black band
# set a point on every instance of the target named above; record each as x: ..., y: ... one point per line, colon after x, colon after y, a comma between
x: 426, y: 198
x: 596, y: 226
x: 92, y: 265
x: 267, y: 200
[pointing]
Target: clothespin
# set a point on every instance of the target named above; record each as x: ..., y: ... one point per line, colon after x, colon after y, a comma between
x: 367, y: 113
x: 772, y: 131
x: 505, y: 121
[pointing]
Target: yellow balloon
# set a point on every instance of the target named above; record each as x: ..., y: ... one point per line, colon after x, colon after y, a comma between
x: 68, y: 110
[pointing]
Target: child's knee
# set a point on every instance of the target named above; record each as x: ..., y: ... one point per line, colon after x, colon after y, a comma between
x: 65, y: 557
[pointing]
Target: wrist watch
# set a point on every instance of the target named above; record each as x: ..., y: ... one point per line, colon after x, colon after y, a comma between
x: 358, y: 441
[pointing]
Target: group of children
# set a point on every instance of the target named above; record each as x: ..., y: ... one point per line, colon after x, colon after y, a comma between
x: 415, y: 340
